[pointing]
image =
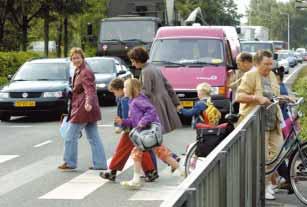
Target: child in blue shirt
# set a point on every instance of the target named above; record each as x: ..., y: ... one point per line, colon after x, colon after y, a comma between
x: 203, y: 93
x: 122, y: 109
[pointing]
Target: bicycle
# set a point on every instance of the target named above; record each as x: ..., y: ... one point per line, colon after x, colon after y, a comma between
x: 295, y: 151
x: 208, y: 137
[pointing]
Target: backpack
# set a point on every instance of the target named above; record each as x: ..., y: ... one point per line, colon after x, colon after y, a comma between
x: 211, y: 115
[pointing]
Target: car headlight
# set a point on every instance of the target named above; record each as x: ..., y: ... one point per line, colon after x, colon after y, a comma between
x: 4, y: 95
x: 101, y: 85
x: 56, y: 94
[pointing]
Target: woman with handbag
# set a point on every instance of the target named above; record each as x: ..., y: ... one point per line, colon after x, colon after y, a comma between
x: 141, y: 115
x: 84, y: 114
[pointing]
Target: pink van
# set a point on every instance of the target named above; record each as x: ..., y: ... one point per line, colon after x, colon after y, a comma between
x: 189, y: 55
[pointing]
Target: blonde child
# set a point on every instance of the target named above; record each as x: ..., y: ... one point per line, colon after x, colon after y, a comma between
x: 141, y: 114
x: 203, y: 93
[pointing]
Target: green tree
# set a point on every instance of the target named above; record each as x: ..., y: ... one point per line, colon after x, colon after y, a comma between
x: 272, y: 14
x: 216, y: 12
x: 22, y: 12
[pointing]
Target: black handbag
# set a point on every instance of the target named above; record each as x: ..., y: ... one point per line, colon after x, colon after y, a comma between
x: 209, y: 138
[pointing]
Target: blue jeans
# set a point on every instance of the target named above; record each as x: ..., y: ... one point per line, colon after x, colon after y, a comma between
x: 71, y: 145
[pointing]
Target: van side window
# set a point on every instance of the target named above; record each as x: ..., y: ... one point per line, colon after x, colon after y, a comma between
x: 228, y: 54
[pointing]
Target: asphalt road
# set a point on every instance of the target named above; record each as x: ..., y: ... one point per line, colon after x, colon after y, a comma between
x: 31, y: 149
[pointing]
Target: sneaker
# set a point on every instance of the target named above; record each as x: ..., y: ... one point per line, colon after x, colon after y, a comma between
x: 109, y: 175
x: 178, y: 160
x: 179, y: 171
x: 96, y: 168
x: 269, y: 189
x: 65, y: 167
x: 131, y: 184
x: 151, y: 176
x: 269, y: 196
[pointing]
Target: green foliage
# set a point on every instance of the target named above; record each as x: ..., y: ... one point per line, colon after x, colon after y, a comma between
x: 216, y: 12
x: 300, y: 87
x: 273, y: 15
x: 11, y: 61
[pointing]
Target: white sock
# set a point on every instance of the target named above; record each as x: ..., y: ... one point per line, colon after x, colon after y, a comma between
x: 136, y: 177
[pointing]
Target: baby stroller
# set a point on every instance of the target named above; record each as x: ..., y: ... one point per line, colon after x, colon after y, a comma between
x: 207, y: 138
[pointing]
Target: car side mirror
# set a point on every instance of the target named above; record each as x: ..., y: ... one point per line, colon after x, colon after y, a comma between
x: 121, y: 72
x: 275, y: 56
x: 89, y: 29
x: 238, y: 29
x: 230, y: 67
x: 9, y: 77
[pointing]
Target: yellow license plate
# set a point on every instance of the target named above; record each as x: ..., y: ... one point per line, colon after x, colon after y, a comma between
x: 25, y: 104
x: 187, y: 103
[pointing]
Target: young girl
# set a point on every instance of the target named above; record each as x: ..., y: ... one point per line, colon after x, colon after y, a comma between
x: 141, y: 114
x: 125, y: 146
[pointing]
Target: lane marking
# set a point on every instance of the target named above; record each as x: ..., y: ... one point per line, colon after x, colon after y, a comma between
x: 17, y: 126
x: 105, y: 125
x: 4, y: 158
x: 82, y: 185
x: 43, y: 143
x: 27, y: 174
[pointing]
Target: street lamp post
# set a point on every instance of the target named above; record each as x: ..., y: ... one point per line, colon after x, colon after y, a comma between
x: 288, y: 16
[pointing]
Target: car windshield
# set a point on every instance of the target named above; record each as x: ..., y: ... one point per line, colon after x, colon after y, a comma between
x: 128, y: 30
x: 278, y: 45
x: 187, y: 51
x: 101, y: 65
x: 254, y: 47
x: 42, y: 71
x: 283, y: 56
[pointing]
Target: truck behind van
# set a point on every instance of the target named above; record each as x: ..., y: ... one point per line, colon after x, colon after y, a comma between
x: 189, y: 55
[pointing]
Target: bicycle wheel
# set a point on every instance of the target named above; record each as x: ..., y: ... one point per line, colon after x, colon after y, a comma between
x: 192, y: 161
x: 298, y: 174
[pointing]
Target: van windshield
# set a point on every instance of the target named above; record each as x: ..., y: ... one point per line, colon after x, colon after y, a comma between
x: 183, y: 51
x: 254, y: 47
x: 127, y: 30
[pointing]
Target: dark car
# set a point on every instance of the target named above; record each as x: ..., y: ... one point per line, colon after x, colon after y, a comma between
x: 40, y: 85
x: 105, y: 70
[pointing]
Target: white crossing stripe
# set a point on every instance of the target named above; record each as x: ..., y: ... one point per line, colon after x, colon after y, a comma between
x: 161, y: 189
x: 4, y: 158
x: 105, y: 125
x: 82, y: 185
x: 16, y: 126
x: 43, y: 143
x: 27, y: 174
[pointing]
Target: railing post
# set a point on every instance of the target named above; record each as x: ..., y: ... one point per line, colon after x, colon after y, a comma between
x: 191, y: 201
x: 242, y: 166
x: 262, y: 156
x: 223, y: 179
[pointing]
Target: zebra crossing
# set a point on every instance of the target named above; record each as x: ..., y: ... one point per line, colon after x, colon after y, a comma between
x: 82, y: 184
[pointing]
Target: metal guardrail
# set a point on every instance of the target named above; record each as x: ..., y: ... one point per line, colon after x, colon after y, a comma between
x: 233, y: 175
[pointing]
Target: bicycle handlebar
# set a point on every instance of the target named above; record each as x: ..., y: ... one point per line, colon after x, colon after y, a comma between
x: 275, y: 100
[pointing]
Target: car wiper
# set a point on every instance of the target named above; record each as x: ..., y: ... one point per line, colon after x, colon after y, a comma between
x: 113, y: 40
x: 168, y: 63
x: 19, y: 80
x: 202, y: 63
x: 139, y: 40
x: 42, y: 79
